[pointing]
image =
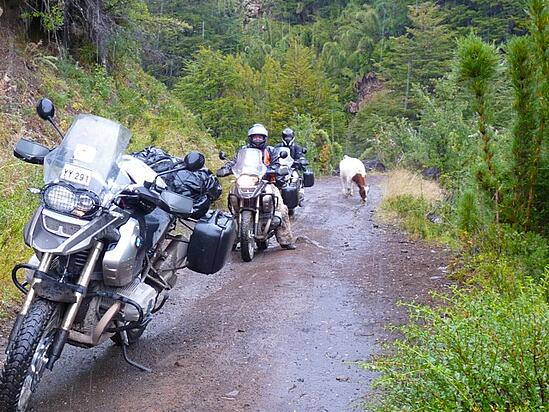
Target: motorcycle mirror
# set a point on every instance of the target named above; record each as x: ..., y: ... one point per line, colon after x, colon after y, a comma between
x: 304, y: 150
x: 45, y: 109
x: 222, y: 155
x: 283, y: 154
x: 194, y: 161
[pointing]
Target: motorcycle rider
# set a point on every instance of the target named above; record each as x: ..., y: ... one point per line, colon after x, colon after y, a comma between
x: 257, y: 139
x: 296, y: 152
x: 288, y: 140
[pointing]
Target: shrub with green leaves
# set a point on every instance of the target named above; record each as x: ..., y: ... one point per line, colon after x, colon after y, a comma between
x: 483, y: 351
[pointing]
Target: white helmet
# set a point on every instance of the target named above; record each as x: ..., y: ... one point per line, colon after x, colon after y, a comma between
x: 257, y: 136
x: 258, y: 129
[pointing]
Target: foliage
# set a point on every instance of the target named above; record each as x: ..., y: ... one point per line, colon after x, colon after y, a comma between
x: 347, y: 57
x: 410, y: 212
x: 50, y: 14
x: 414, y: 57
x: 229, y: 95
x: 476, y: 66
x: 218, y: 88
x: 479, y: 351
x: 468, y: 216
x: 493, y: 20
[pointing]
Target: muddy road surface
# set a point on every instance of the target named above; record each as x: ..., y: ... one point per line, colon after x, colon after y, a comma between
x: 282, y: 333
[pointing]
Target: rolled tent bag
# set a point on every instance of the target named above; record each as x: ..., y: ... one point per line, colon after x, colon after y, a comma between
x: 200, y: 185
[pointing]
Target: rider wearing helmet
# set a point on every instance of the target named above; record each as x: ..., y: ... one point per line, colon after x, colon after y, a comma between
x: 257, y: 139
x: 257, y: 136
x: 288, y: 140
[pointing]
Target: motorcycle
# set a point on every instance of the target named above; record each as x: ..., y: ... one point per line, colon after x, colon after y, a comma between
x: 252, y: 200
x: 292, y: 186
x: 106, y: 251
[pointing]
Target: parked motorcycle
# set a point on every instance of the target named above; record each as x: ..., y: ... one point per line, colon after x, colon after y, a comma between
x: 251, y: 199
x: 292, y: 186
x: 106, y: 249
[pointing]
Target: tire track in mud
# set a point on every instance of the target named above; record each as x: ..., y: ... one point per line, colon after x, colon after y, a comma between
x: 281, y: 333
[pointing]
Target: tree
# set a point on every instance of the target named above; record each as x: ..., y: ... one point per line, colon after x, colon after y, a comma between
x: 349, y: 55
x: 476, y: 66
x: 529, y: 67
x: 420, y: 56
x: 302, y: 89
x: 493, y: 20
x: 220, y: 89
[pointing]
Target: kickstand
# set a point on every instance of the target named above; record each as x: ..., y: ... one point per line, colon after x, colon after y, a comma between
x: 134, y: 364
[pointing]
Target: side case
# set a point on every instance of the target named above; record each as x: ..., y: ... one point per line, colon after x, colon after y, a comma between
x: 308, y: 178
x: 290, y: 196
x: 211, y: 242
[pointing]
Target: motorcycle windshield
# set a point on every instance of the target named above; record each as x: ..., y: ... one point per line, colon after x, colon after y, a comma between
x: 88, y: 155
x: 249, y: 161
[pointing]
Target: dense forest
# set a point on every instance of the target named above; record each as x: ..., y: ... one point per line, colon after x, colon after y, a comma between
x: 458, y: 86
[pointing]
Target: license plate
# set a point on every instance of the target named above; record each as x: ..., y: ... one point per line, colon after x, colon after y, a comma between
x: 75, y: 174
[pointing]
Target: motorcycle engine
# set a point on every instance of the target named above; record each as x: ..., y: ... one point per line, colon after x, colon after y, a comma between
x: 139, y: 292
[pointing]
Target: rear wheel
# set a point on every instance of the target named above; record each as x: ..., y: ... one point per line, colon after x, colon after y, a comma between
x: 247, y: 241
x: 28, y: 355
x: 291, y: 212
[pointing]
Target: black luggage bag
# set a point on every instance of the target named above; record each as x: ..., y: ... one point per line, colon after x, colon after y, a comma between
x: 211, y: 242
x: 290, y: 196
x: 308, y: 178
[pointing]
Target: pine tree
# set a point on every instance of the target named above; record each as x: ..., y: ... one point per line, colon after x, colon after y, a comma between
x: 420, y: 56
x: 476, y: 66
x: 523, y: 75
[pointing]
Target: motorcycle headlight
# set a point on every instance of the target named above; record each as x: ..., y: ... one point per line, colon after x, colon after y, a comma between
x: 247, y: 181
x: 64, y: 198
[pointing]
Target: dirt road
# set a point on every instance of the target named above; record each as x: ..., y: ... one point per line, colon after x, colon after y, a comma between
x: 279, y: 334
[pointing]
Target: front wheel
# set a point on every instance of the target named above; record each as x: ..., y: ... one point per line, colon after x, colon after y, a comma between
x: 28, y: 355
x: 247, y: 241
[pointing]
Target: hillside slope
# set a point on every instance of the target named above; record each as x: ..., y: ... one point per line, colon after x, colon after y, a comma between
x: 28, y: 71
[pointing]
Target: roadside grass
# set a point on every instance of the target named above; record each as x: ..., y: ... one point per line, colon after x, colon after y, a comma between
x: 417, y: 205
x: 485, y: 345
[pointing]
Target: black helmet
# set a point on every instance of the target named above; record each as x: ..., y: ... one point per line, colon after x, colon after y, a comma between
x: 288, y: 137
x: 257, y: 136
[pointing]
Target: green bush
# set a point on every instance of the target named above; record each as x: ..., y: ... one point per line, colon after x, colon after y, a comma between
x: 482, y: 351
x: 526, y: 254
x: 468, y: 212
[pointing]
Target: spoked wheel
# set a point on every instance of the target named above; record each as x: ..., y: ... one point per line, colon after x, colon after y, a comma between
x: 247, y: 241
x: 28, y: 355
